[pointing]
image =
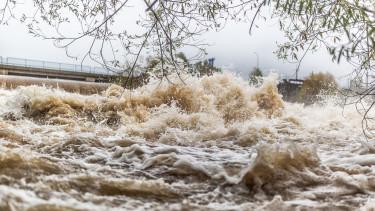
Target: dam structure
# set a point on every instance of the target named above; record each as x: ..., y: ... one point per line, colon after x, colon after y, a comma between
x: 53, y: 70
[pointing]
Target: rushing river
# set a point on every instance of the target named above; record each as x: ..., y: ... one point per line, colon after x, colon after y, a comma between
x: 213, y: 143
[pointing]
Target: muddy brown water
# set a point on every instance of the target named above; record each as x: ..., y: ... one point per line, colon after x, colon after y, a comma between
x: 82, y: 87
x: 214, y: 144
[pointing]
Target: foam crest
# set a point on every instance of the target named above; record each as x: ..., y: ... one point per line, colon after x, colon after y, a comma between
x: 210, y: 143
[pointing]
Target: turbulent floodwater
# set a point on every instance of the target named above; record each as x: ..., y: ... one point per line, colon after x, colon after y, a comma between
x: 207, y: 144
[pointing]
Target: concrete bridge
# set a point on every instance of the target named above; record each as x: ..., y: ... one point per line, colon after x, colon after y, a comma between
x: 53, y: 70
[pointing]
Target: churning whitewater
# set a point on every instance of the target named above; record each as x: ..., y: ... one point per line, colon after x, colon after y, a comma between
x: 211, y: 143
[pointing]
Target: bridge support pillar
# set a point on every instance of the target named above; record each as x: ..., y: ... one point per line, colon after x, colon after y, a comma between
x: 90, y: 79
x: 3, y: 72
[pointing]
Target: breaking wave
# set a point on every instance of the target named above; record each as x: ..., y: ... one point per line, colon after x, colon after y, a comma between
x: 211, y: 143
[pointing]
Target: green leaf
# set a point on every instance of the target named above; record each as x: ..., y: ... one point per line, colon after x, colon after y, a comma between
x: 300, y: 7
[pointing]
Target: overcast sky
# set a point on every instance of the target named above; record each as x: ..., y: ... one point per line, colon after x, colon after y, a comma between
x: 233, y: 48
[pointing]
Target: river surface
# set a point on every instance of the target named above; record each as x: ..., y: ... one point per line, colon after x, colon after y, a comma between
x: 213, y: 143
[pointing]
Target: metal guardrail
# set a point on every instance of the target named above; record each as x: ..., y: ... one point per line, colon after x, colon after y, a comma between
x: 46, y: 65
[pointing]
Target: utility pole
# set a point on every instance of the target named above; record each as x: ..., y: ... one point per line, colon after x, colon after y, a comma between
x: 297, y: 73
x: 256, y: 54
x: 211, y: 64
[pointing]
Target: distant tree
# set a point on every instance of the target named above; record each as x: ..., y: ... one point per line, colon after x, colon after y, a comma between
x: 200, y: 68
x: 204, y: 68
x: 183, y: 58
x: 316, y: 84
x: 153, y: 65
x: 255, y: 76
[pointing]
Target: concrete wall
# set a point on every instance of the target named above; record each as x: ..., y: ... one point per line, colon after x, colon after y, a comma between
x: 3, y: 72
x: 90, y: 79
x: 12, y: 82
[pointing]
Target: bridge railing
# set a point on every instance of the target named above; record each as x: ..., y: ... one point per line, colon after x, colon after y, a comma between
x: 57, y: 66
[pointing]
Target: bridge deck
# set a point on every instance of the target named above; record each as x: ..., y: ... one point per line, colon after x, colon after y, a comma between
x: 45, y: 69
